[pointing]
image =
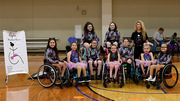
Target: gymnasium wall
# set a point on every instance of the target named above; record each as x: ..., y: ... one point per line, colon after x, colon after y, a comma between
x: 57, y: 18
x: 49, y: 18
x: 154, y: 13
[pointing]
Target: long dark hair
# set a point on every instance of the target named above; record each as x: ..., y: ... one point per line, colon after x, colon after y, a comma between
x: 85, y: 28
x: 55, y: 47
x: 174, y: 35
x: 115, y: 29
x: 116, y: 54
x: 167, y: 52
x: 76, y: 49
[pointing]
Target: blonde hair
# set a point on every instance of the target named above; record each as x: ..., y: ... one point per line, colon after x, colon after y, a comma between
x: 143, y: 29
x: 146, y: 45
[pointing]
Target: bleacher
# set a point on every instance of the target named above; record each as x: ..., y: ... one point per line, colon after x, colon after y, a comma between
x: 151, y: 38
x: 33, y: 44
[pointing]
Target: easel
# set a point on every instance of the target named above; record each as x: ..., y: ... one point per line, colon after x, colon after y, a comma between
x: 6, y: 79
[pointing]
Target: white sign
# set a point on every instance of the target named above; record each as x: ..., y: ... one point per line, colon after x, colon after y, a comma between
x: 15, y: 52
x: 78, y: 32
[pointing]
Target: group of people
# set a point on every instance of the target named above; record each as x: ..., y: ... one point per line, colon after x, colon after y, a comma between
x: 118, y: 52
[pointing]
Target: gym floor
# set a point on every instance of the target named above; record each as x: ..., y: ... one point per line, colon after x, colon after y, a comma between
x: 19, y: 88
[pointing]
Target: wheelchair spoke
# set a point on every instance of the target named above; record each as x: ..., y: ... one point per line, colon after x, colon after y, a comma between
x: 46, y: 76
x: 170, y: 76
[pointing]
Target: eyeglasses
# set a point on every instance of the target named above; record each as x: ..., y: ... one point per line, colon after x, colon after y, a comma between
x: 94, y: 43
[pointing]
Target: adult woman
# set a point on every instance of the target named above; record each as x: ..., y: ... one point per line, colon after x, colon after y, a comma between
x: 139, y: 37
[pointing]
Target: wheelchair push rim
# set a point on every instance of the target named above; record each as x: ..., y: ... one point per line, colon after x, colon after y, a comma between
x: 46, y: 76
x: 170, y: 76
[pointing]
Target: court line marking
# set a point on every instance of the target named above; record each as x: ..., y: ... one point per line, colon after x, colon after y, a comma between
x: 129, y: 92
x: 163, y: 90
x: 85, y: 94
x: 99, y: 94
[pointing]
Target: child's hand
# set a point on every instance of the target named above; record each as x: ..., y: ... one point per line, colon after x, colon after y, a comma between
x: 120, y: 61
x: 81, y: 48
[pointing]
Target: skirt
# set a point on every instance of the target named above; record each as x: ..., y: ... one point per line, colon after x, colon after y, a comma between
x: 145, y: 63
x: 71, y: 65
x: 113, y: 63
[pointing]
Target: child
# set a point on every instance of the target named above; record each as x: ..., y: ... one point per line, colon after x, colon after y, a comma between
x: 87, y: 36
x: 126, y: 54
x: 74, y: 61
x: 112, y: 37
x: 173, y: 44
x: 51, y: 55
x: 164, y: 57
x: 94, y: 60
x: 146, y: 59
x: 113, y: 61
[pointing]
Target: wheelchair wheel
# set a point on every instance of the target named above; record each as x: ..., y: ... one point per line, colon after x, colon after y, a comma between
x: 170, y: 76
x: 105, y: 77
x: 58, y: 78
x: 137, y: 75
x: 46, y: 75
x: 133, y: 71
x: 67, y: 76
x: 158, y: 78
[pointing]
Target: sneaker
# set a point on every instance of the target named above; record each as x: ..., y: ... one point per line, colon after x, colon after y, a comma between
x: 98, y: 77
x: 92, y: 77
x: 111, y: 79
x: 114, y: 80
x: 87, y: 79
x: 149, y: 79
x: 153, y: 80
x: 79, y: 80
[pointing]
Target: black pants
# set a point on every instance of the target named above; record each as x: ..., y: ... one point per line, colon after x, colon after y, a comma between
x: 137, y: 52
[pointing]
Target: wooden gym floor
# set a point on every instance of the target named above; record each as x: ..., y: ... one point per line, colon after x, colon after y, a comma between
x: 19, y: 88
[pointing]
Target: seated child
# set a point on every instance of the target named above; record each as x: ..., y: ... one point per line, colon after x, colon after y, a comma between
x: 164, y: 57
x: 74, y: 61
x: 126, y: 54
x: 113, y: 61
x: 173, y: 44
x: 51, y: 55
x: 146, y: 59
x: 94, y: 59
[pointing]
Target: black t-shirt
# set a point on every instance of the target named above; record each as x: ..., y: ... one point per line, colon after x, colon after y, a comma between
x: 138, y: 39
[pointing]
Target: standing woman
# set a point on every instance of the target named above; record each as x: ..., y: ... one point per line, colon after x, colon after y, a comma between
x: 139, y: 37
x: 88, y: 35
x: 112, y: 37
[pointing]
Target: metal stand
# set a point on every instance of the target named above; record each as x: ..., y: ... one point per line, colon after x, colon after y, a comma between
x: 6, y: 79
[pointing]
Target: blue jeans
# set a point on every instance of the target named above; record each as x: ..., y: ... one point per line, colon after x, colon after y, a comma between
x: 155, y: 45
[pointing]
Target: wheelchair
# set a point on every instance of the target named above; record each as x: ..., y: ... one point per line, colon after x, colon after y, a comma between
x: 125, y: 71
x: 106, y: 76
x: 49, y: 75
x: 96, y: 71
x: 168, y: 75
x: 138, y: 74
x: 73, y: 76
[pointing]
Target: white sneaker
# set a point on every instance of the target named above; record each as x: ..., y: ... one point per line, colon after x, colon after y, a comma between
x: 149, y: 79
x: 153, y: 80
